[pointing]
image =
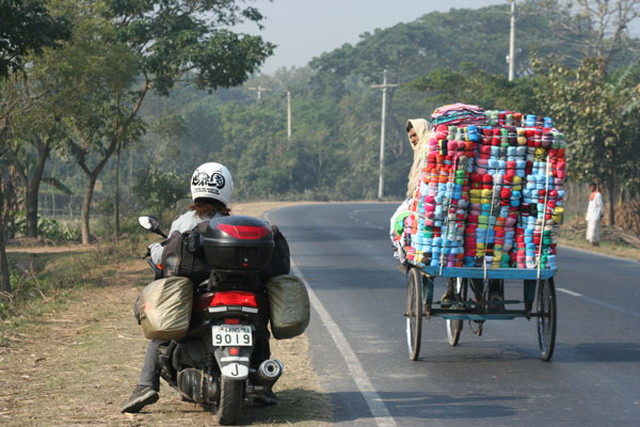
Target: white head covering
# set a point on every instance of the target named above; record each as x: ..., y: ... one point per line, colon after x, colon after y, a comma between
x: 423, y: 130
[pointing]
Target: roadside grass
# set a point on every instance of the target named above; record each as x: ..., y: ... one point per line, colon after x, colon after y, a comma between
x: 573, y: 235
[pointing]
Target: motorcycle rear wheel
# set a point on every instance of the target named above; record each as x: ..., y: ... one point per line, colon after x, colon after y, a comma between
x: 230, y: 405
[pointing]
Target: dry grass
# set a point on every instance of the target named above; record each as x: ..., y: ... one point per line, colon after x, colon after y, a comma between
x: 573, y: 235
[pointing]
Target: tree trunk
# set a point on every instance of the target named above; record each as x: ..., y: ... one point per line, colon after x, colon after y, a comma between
x: 116, y: 201
x: 86, y: 209
x: 5, y: 283
x: 88, y: 196
x: 610, y: 189
x: 10, y: 202
x: 33, y: 189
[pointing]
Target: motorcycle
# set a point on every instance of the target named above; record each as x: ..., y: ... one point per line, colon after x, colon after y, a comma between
x: 217, y: 362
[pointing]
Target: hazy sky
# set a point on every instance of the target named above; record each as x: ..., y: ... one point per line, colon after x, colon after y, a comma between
x: 304, y: 29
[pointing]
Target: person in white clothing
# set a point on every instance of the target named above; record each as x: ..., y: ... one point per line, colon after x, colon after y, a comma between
x: 211, y: 192
x: 595, y: 211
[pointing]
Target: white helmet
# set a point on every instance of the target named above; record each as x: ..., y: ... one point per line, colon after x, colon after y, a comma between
x: 212, y: 181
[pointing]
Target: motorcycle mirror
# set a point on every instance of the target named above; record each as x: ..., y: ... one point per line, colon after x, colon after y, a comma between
x: 151, y: 223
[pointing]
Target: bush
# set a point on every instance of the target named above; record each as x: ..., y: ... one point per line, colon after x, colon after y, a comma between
x: 57, y: 231
x: 48, y: 228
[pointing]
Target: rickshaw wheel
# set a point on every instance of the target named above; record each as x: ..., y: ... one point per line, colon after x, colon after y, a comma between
x: 546, y: 318
x: 454, y: 327
x: 414, y: 312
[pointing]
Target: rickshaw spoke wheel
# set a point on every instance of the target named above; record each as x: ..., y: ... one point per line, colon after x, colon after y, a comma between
x: 454, y: 326
x: 546, y: 318
x: 414, y: 312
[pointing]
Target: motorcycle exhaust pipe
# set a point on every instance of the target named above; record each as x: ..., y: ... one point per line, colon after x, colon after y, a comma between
x: 268, y: 372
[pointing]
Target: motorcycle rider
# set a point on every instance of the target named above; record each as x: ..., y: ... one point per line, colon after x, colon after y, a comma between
x: 211, y: 192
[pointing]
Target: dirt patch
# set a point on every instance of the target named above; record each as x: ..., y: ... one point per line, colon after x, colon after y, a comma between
x: 76, y: 362
x: 48, y: 249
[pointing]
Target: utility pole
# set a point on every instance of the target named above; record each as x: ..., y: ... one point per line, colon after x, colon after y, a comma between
x: 512, y: 39
x: 288, y: 116
x: 384, y: 86
x: 259, y: 89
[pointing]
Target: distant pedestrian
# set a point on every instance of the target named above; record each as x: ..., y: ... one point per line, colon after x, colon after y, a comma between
x: 595, y: 211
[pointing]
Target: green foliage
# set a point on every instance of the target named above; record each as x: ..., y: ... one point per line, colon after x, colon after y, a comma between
x: 157, y: 191
x: 48, y: 228
x: 4, y: 313
x: 474, y: 86
x: 27, y: 286
x: 27, y: 27
x: 601, y: 114
x: 172, y: 38
x: 57, y: 231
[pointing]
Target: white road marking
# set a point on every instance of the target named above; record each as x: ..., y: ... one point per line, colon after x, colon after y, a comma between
x: 377, y: 407
x: 352, y: 216
x: 600, y: 303
x: 567, y: 291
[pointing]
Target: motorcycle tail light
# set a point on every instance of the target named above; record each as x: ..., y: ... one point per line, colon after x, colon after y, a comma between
x: 202, y: 302
x: 244, y: 232
x: 228, y: 321
x: 245, y: 299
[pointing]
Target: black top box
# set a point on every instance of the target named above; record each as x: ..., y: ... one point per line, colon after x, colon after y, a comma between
x: 238, y: 243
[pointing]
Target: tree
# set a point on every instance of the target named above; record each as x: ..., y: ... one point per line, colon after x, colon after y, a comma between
x: 597, y: 102
x: 472, y: 85
x: 25, y: 27
x: 35, y: 131
x: 158, y: 190
x: 597, y: 28
x: 601, y: 113
x: 172, y: 42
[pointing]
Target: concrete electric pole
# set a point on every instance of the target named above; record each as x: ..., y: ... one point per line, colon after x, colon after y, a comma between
x: 384, y: 86
x: 512, y: 39
x: 288, y: 116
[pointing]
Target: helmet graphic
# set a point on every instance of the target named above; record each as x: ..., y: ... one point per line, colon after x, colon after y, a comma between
x: 212, y: 181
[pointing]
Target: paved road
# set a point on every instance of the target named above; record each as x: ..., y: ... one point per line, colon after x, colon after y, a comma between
x: 358, y: 339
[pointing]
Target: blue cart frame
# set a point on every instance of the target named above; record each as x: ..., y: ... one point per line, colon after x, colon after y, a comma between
x: 538, y: 287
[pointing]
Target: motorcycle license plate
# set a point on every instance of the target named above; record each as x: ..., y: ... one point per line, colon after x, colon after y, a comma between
x: 238, y: 335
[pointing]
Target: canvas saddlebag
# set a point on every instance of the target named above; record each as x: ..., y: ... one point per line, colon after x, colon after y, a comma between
x: 164, y: 307
x: 289, y: 306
